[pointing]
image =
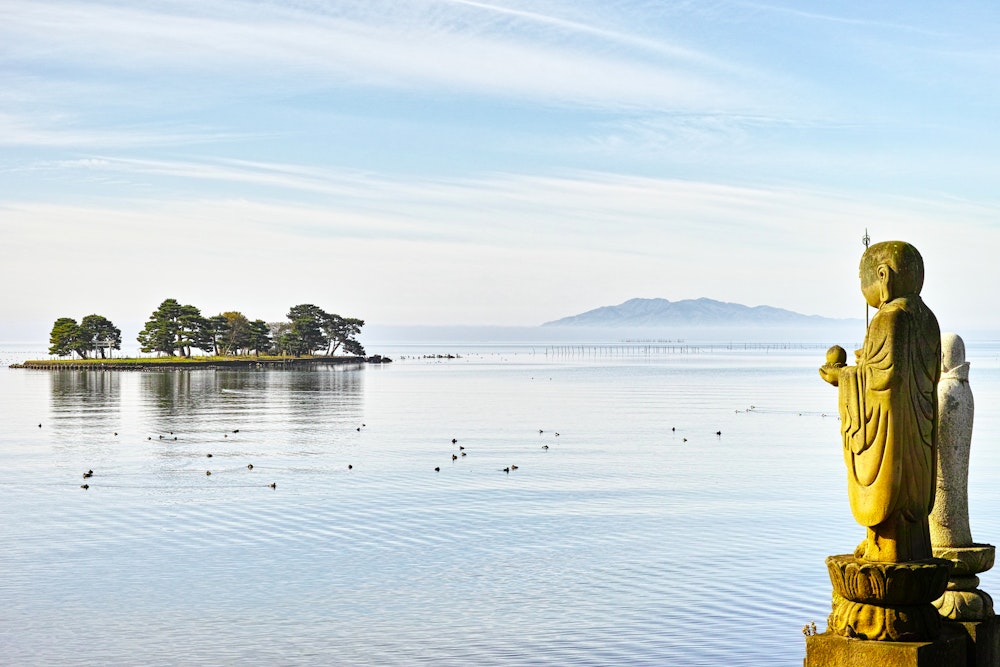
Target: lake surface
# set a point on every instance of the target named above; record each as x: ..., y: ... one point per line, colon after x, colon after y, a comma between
x: 638, y: 537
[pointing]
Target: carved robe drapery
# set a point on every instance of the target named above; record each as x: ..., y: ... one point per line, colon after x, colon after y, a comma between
x: 888, y: 411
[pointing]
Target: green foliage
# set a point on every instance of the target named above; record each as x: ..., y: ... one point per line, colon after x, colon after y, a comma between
x: 99, y: 333
x: 343, y: 331
x: 176, y: 328
x: 66, y: 338
x: 237, y: 334
x: 312, y: 329
x: 95, y: 332
x: 258, y: 337
x: 306, y: 335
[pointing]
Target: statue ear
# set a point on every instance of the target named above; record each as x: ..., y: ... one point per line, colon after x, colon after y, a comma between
x: 884, y: 282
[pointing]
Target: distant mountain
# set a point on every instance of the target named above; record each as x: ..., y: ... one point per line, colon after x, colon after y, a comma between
x: 690, y: 312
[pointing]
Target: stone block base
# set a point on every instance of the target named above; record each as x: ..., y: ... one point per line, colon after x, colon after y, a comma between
x: 982, y: 644
x: 831, y: 650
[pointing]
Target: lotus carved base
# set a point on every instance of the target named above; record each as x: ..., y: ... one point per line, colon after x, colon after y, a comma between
x: 886, y: 601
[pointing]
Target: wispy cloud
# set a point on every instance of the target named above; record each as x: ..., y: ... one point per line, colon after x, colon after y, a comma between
x: 65, y: 130
x: 428, y: 44
x: 844, y: 20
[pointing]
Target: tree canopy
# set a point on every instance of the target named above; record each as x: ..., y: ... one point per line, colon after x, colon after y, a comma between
x: 175, y: 329
x: 94, y: 332
x: 312, y: 329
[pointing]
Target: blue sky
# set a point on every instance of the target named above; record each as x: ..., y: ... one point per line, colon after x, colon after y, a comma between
x: 503, y: 162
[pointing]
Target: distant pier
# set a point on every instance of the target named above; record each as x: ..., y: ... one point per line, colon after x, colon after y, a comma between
x: 658, y: 348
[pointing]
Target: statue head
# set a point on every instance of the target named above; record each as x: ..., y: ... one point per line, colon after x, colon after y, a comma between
x: 889, y: 270
x: 952, y: 351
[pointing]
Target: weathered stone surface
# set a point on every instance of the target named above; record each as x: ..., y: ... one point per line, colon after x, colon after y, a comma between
x: 888, y: 408
x: 831, y: 650
x: 886, y: 601
x: 888, y: 584
x: 970, y: 605
x: 949, y: 519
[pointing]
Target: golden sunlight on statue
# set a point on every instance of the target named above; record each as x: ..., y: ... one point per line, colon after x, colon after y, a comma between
x: 888, y: 408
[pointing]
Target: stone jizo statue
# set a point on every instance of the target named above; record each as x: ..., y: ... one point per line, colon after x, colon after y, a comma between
x: 949, y: 521
x: 888, y: 408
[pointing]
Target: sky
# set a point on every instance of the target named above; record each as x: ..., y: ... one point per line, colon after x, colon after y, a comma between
x: 505, y: 162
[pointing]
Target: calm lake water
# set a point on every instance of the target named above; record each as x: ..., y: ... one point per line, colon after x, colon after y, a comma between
x: 625, y: 542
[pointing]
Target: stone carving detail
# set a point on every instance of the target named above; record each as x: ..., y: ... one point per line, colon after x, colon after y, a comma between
x: 886, y: 601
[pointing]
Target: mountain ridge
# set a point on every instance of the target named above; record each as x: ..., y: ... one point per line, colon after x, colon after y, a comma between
x: 703, y: 311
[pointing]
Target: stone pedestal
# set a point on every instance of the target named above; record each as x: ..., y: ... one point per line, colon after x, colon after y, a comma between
x: 963, y: 601
x: 888, y: 602
x: 831, y: 650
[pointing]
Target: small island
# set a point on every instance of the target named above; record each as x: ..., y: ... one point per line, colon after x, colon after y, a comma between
x: 227, y: 340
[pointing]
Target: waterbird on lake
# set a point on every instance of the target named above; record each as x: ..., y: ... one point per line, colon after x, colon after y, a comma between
x: 236, y: 430
x: 225, y: 435
x: 249, y: 466
x: 684, y: 439
x: 454, y: 457
x: 463, y: 453
x: 85, y: 486
x: 39, y: 426
x: 437, y: 469
x: 116, y: 432
x: 541, y: 431
x: 545, y: 446
x: 208, y: 472
x: 513, y: 467
x: 350, y: 467
x: 673, y: 428
x: 89, y: 473
x: 273, y: 485
x: 461, y: 447
x: 149, y: 437
x: 557, y: 435
x: 454, y: 441
x: 359, y: 429
x: 507, y: 470
x: 718, y: 433
x: 208, y: 456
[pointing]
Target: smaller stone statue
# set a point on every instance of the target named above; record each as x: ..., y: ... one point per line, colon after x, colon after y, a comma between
x: 951, y: 537
x: 949, y: 520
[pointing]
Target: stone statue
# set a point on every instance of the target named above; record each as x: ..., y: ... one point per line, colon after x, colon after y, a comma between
x: 888, y: 408
x: 883, y: 608
x: 949, y: 520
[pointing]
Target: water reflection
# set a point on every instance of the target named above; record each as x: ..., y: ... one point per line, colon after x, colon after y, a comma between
x: 95, y: 394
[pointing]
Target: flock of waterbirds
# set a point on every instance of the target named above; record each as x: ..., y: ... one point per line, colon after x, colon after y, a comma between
x: 273, y: 485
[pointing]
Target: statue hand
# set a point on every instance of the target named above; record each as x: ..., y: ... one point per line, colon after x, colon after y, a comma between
x: 831, y: 373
